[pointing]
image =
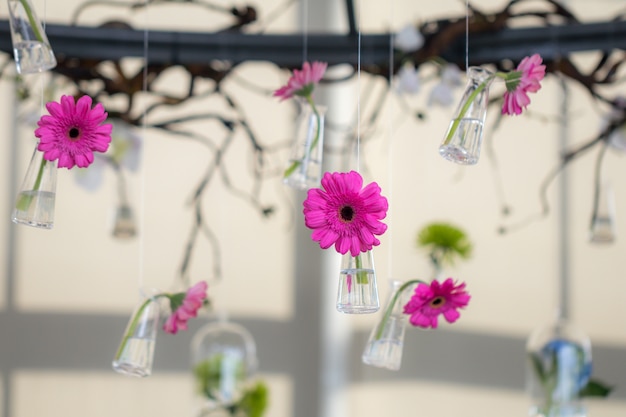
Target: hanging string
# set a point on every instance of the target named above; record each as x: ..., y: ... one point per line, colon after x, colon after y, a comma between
x: 390, y: 114
x: 467, y: 10
x: 142, y: 174
x: 42, y: 76
x: 305, y: 30
x: 358, y: 89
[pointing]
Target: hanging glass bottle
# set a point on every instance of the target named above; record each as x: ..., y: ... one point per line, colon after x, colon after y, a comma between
x: 31, y: 48
x: 223, y: 359
x: 35, y: 201
x: 357, y: 293
x: 124, y: 221
x: 304, y: 169
x: 558, y: 368
x: 603, y: 218
x: 384, y: 346
x: 465, y: 134
x: 135, y: 353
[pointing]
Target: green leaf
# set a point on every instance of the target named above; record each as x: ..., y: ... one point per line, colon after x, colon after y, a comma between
x: 538, y: 367
x: 254, y: 401
x: 176, y: 300
x: 512, y: 80
x: 208, y: 374
x: 595, y: 388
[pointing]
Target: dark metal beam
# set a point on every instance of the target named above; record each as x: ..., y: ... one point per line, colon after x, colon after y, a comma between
x: 286, y: 50
x: 550, y: 42
x: 353, y: 29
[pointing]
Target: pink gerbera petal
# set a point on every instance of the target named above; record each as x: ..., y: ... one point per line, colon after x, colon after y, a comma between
x: 345, y: 214
x: 188, y: 307
x: 73, y: 131
x: 530, y: 72
x: 302, y: 82
x: 430, y: 301
x: 170, y: 325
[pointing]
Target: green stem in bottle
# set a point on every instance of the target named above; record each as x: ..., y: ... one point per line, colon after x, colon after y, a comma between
x: 24, y: 200
x: 134, y: 323
x: 31, y: 19
x: 392, y: 303
x: 468, y: 103
x: 361, y: 276
x: 296, y: 164
x: 40, y: 174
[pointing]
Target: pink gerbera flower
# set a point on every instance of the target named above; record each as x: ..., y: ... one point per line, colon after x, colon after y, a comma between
x: 302, y: 81
x: 345, y: 214
x: 185, y: 306
x: 429, y: 301
x: 73, y: 131
x: 526, y: 79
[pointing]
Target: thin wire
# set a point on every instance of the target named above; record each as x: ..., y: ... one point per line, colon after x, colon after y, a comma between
x: 305, y: 30
x: 467, y: 36
x: 358, y: 89
x: 142, y: 175
x: 42, y: 76
x: 390, y: 114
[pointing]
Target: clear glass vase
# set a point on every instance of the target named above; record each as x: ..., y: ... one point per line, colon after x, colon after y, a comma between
x: 223, y: 360
x: 464, y: 137
x: 31, y: 48
x: 558, y: 368
x: 602, y: 228
x: 304, y: 169
x: 135, y: 353
x: 384, y: 346
x: 35, y: 202
x: 124, y: 222
x: 357, y: 293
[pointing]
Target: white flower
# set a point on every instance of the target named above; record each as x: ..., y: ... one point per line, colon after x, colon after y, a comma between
x: 91, y: 178
x: 441, y: 94
x: 408, y: 39
x: 452, y: 75
x: 408, y: 80
x: 125, y: 150
x: 125, y: 144
x: 617, y: 138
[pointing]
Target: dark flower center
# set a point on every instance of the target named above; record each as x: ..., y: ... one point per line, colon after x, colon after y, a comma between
x: 437, y: 302
x: 346, y: 213
x: 74, y: 133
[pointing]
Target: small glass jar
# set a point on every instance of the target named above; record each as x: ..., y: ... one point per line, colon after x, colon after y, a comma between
x: 31, y: 48
x: 304, y: 169
x: 357, y: 292
x: 464, y: 137
x: 35, y: 202
x: 223, y: 360
x: 558, y: 368
x: 135, y: 354
x: 384, y: 346
x: 602, y: 229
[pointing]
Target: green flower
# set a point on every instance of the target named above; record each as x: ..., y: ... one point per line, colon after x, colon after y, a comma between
x: 445, y: 242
